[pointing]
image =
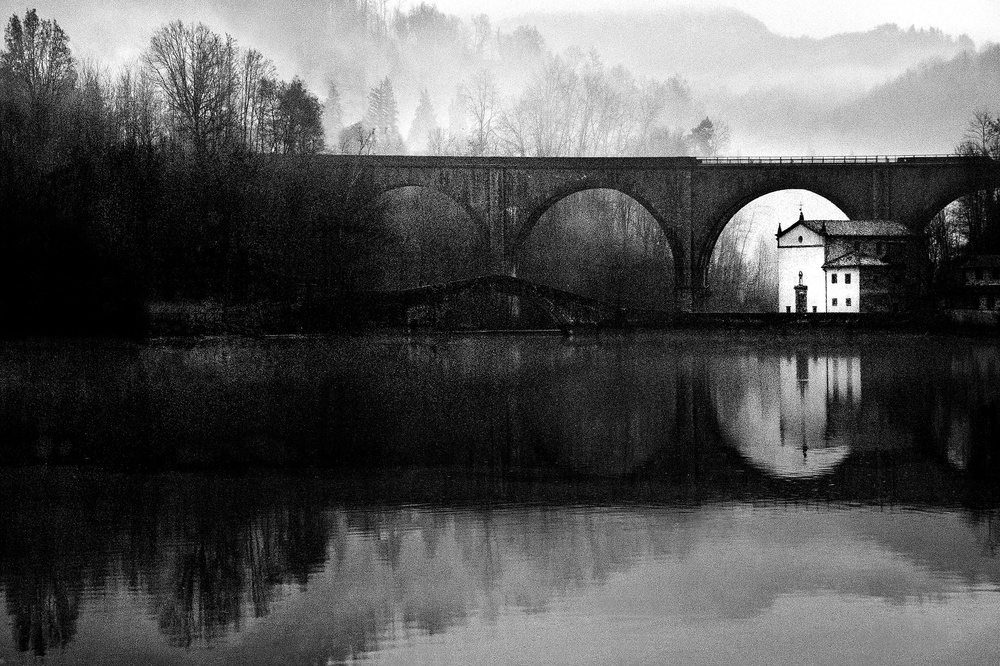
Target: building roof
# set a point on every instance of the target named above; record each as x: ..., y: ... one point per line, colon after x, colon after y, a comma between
x: 983, y: 261
x: 852, y: 228
x: 858, y: 227
x: 855, y: 258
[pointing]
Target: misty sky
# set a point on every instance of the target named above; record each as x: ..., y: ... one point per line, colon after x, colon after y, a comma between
x: 791, y: 97
x: 980, y: 19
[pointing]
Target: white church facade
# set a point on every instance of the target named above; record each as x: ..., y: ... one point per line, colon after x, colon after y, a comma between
x: 846, y: 266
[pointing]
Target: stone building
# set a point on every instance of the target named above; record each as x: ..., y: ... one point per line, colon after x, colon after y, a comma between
x: 845, y: 266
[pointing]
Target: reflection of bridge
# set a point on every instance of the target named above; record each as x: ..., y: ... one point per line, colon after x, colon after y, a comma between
x: 564, y: 308
x: 691, y: 199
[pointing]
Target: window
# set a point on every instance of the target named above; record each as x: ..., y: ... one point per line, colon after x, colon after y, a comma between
x: 879, y: 248
x: 788, y: 308
x: 834, y: 303
x: 814, y: 308
x: 800, y: 239
x: 833, y: 278
x: 847, y: 279
x: 848, y: 303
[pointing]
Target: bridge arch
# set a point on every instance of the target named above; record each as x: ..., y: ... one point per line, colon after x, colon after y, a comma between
x: 600, y: 242
x: 428, y: 189
x: 741, y: 273
x: 430, y: 237
x: 537, y: 209
x: 703, y: 254
x: 945, y: 200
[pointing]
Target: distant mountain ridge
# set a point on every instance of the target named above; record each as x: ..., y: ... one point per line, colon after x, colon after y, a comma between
x: 885, y: 90
x: 928, y: 107
x: 724, y: 46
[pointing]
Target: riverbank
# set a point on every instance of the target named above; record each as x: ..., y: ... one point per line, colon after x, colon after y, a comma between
x: 270, y: 318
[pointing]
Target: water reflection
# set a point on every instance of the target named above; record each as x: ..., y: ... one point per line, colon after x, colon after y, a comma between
x: 790, y: 415
x: 608, y: 406
x: 267, y: 568
x: 478, y: 494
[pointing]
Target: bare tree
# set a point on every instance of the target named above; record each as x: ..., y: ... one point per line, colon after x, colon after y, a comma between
x: 255, y: 71
x: 979, y: 212
x: 482, y: 101
x: 135, y: 109
x: 194, y: 68
x: 37, y: 56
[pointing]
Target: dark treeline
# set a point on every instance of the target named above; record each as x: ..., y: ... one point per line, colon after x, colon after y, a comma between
x: 163, y: 182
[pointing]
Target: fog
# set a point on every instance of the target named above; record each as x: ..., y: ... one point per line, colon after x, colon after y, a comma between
x: 888, y: 88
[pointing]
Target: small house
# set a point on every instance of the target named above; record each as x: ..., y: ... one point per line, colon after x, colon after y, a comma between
x: 846, y: 266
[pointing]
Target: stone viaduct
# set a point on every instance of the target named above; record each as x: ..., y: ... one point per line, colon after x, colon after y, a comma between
x: 692, y: 199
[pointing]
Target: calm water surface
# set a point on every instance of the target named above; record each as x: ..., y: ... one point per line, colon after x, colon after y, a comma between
x: 639, y: 499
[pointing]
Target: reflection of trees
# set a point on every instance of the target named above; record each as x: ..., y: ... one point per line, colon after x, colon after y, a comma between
x: 44, y: 609
x: 228, y: 559
x: 207, y: 554
x: 210, y: 554
x: 46, y: 544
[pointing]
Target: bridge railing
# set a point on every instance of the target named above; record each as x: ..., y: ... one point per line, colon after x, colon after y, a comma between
x: 832, y: 159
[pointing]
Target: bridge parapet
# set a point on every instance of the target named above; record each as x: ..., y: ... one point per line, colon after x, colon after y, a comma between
x: 839, y: 159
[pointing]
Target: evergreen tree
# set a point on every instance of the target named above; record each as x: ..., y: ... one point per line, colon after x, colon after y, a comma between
x: 383, y: 117
x: 424, y: 124
x: 300, y: 116
x: 333, y: 112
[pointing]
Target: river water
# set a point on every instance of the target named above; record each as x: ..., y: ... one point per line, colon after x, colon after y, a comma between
x: 615, y: 499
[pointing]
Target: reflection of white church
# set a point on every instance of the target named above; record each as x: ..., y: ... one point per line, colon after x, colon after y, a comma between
x: 819, y: 399
x: 845, y: 265
x: 799, y: 418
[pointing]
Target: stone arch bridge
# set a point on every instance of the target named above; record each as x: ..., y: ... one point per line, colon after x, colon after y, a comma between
x: 691, y: 199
